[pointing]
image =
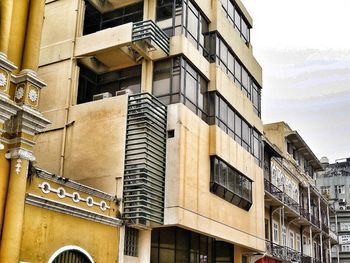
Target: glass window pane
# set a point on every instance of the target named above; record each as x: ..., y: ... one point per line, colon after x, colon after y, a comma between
x: 238, y: 70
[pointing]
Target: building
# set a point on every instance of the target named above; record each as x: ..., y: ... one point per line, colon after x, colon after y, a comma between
x: 158, y: 103
x: 43, y: 217
x: 297, y: 226
x: 334, y: 183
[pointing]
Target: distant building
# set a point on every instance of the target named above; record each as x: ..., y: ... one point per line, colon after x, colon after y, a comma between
x: 297, y: 225
x: 334, y: 184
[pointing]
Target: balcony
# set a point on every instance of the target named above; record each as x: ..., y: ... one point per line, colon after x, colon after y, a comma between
x: 122, y: 46
x: 306, y: 259
x: 282, y: 252
x: 315, y: 220
x: 305, y: 213
x: 325, y: 228
x: 273, y: 190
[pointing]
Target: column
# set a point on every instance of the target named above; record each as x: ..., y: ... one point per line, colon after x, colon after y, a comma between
x: 6, y: 7
x: 311, y: 244
x: 14, y: 211
x: 33, y: 36
x: 147, y: 76
x: 321, y: 246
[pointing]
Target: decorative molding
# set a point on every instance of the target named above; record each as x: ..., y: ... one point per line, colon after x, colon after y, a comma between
x: 71, y: 210
x: 19, y: 153
x: 3, y: 79
x: 28, y: 76
x: 7, y: 109
x: 46, y: 188
x: 5, y: 63
x: 74, y: 185
x: 19, y: 93
x: 18, y: 166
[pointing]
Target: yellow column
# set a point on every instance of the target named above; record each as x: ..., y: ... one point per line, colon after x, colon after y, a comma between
x: 5, y: 24
x: 18, y: 31
x: 14, y: 211
x: 4, y: 177
x: 33, y: 37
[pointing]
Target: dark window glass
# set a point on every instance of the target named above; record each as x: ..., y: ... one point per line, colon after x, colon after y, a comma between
x: 91, y: 83
x: 235, y: 70
x: 131, y: 241
x: 223, y: 252
x: 167, y: 245
x: 229, y: 184
x: 95, y: 21
x: 236, y: 18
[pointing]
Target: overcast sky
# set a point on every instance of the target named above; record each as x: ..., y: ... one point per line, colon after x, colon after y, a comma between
x: 304, y: 49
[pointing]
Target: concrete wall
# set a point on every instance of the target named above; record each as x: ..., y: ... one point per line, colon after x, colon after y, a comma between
x: 189, y: 202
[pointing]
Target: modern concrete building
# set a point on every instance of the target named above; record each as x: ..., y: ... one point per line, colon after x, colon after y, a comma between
x: 158, y: 103
x: 297, y: 227
x: 334, y: 184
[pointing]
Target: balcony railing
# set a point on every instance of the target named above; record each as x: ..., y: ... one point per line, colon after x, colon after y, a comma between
x: 306, y: 259
x: 325, y: 228
x: 305, y: 213
x: 149, y: 32
x: 281, y: 196
x: 315, y: 220
x: 273, y: 190
x: 293, y: 255
x: 276, y: 251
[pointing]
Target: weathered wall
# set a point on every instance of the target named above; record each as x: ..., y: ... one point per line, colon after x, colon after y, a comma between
x: 189, y: 202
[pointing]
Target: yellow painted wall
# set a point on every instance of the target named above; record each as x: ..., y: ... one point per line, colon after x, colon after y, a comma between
x: 52, y: 230
x: 4, y: 177
x: 189, y: 202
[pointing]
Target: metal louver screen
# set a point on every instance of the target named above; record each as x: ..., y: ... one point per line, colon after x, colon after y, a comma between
x: 71, y: 256
x: 144, y: 171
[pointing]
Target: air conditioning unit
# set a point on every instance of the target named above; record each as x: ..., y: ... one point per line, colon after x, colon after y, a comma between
x: 342, y: 201
x: 341, y: 207
x: 123, y: 92
x: 101, y: 96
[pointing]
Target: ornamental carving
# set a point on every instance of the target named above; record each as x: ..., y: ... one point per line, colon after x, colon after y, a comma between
x: 19, y: 94
x: 46, y: 188
x: 3, y: 79
x: 33, y: 95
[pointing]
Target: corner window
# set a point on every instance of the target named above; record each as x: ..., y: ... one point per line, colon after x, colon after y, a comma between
x: 275, y: 232
x: 229, y: 184
x: 226, y: 59
x: 175, y: 80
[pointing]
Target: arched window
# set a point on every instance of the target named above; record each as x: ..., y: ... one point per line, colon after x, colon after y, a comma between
x: 71, y: 254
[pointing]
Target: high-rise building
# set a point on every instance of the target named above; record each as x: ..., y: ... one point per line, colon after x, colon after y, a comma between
x: 157, y: 102
x: 334, y: 184
x: 297, y: 225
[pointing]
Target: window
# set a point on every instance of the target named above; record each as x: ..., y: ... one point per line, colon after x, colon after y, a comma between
x: 131, y: 241
x: 339, y: 189
x: 275, y: 232
x: 284, y: 236
x: 266, y: 229
x: 236, y: 18
x: 95, y: 21
x: 291, y: 239
x: 176, y: 17
x: 298, y: 243
x: 227, y: 118
x: 229, y: 184
x: 91, y: 83
x: 175, y: 80
x: 221, y: 53
x: 345, y: 248
x: 177, y: 245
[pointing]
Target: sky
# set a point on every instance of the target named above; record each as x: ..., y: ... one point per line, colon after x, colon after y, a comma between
x: 303, y: 47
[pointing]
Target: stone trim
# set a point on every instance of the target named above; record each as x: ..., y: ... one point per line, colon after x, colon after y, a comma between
x: 74, y: 185
x: 71, y: 210
x: 19, y: 153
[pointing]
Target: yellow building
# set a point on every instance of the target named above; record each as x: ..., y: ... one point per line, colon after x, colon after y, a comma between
x: 297, y: 227
x: 157, y: 102
x: 43, y: 217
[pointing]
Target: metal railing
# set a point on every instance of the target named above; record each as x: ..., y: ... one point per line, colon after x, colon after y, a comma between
x: 273, y: 190
x: 290, y: 202
x: 306, y: 259
x: 149, y: 31
x: 276, y: 251
x: 315, y: 220
x: 293, y: 255
x: 325, y: 228
x: 305, y: 213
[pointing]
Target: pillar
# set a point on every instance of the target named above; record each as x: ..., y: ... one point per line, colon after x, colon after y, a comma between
x: 14, y: 211
x: 18, y: 32
x: 6, y: 7
x: 147, y: 76
x: 4, y: 178
x: 33, y: 36
x: 321, y: 246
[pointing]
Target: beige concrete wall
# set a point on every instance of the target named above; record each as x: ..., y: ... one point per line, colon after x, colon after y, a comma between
x: 58, y: 31
x: 189, y: 203
x: 275, y: 133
